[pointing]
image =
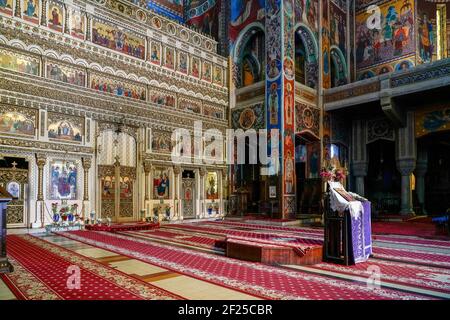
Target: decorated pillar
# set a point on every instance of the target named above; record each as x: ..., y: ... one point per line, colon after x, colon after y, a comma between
x: 176, y: 196
x: 17, y: 9
x: 66, y: 19
x: 280, y: 46
x: 421, y: 170
x: 202, y: 173
x: 147, y: 170
x: 41, y: 160
x: 406, y: 162
x: 44, y: 13
x: 87, y: 162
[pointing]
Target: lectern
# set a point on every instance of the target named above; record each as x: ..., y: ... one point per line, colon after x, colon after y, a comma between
x: 5, y: 197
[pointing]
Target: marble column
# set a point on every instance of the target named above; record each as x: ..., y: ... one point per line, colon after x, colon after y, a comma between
x: 41, y: 160
x: 421, y: 170
x: 406, y: 162
x: 87, y: 163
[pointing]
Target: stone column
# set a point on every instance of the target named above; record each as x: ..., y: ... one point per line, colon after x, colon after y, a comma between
x: 406, y: 168
x: 87, y: 162
x: 360, y: 172
x: 41, y: 160
x: 176, y: 173
x: 147, y: 170
x: 421, y: 170
x: 359, y: 155
x: 406, y: 162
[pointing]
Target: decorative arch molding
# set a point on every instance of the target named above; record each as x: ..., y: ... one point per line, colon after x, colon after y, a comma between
x: 338, y: 60
x: 17, y: 44
x: 312, y: 53
x: 243, y: 38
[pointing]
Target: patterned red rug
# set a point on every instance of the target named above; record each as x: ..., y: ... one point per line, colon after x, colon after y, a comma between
x: 118, y: 227
x: 41, y: 272
x: 252, y: 278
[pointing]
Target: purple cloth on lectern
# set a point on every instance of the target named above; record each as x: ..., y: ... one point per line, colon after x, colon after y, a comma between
x: 361, y: 234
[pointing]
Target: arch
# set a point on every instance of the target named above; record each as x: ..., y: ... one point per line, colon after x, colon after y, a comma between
x: 244, y: 37
x: 311, y: 50
x: 340, y: 67
x: 51, y: 53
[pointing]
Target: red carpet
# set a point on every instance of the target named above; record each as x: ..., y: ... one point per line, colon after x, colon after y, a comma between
x: 253, y: 278
x: 117, y: 227
x: 41, y: 273
x: 409, y: 228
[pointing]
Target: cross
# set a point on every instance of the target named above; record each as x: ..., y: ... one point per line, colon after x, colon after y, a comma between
x: 14, y: 164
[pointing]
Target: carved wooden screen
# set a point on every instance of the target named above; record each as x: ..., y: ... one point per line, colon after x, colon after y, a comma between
x: 14, y: 178
x: 188, y: 197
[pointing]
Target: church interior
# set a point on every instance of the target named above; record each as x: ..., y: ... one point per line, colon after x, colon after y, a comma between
x: 224, y: 150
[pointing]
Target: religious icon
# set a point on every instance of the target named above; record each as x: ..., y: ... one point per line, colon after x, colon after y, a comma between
x: 13, y: 189
x: 64, y: 130
x: 206, y: 71
x: 211, y: 186
x: 20, y: 63
x: 31, y: 10
x: 161, y: 184
x: 195, y: 69
x: 6, y: 6
x: 55, y: 17
x: 155, y: 54
x: 169, y: 58
x: 247, y: 118
x: 77, y: 23
x: 289, y: 174
x: 16, y: 123
x: 66, y: 74
x: 108, y: 190
x: 426, y: 41
x: 63, y: 180
x: 126, y: 188
x: 182, y: 62
x: 217, y: 75
x: 289, y: 102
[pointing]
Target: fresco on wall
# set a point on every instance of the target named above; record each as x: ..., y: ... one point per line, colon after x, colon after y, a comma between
x: 162, y: 98
x: 251, y: 117
x: 307, y: 12
x: 118, y: 40
x: 338, y: 28
x: 307, y: 119
x: 63, y: 180
x: 161, y: 183
x: 66, y: 74
x: 16, y: 123
x: 204, y: 15
x: 118, y: 88
x: 326, y: 63
x: 212, y: 192
x: 6, y: 7
x: 31, y: 10
x: 19, y: 62
x: 155, y: 53
x: 170, y: 8
x: 77, y: 23
x: 64, y: 127
x: 55, y: 16
x: 394, y: 40
x: 432, y: 120
x: 243, y: 13
x: 426, y: 31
